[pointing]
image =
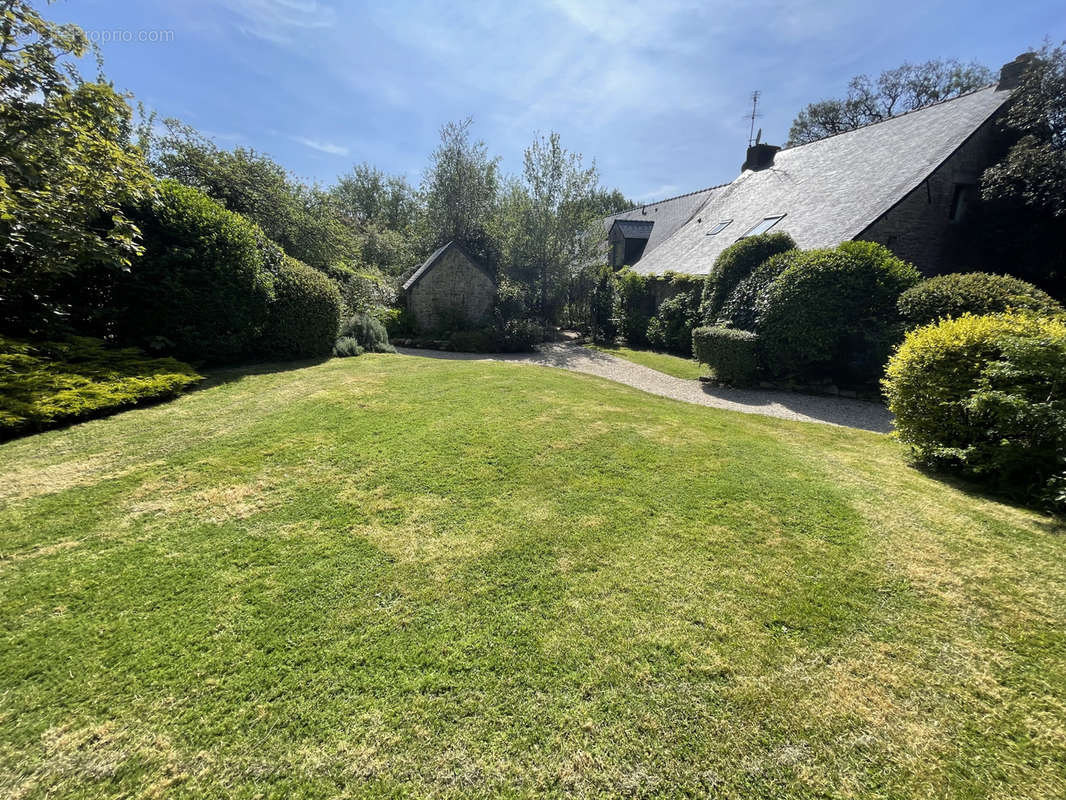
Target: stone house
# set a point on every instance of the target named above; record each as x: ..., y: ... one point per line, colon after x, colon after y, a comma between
x: 449, y: 292
x: 905, y: 182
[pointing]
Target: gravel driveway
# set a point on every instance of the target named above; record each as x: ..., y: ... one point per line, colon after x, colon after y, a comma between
x: 841, y: 411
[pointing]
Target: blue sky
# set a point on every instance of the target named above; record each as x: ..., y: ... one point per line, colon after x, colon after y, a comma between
x: 656, y: 91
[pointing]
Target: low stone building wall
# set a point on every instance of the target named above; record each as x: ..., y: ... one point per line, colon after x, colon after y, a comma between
x: 451, y: 292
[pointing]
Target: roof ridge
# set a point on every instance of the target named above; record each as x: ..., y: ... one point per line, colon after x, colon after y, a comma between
x: 895, y: 116
x: 667, y: 199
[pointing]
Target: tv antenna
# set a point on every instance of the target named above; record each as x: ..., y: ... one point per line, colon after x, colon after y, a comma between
x: 754, y: 116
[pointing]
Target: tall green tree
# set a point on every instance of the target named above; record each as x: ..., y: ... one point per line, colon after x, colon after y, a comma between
x: 551, y: 223
x: 895, y: 91
x: 67, y: 168
x: 461, y: 188
x: 386, y: 211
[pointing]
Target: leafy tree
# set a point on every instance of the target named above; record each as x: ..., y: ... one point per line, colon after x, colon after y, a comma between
x: 1033, y: 173
x: 461, y: 187
x: 67, y: 168
x: 905, y: 88
x: 305, y: 220
x: 385, y: 211
x: 550, y: 222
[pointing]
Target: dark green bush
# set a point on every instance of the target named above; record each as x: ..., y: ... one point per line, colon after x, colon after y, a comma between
x: 50, y: 383
x: 397, y: 321
x: 974, y: 293
x: 736, y: 263
x: 731, y: 353
x: 367, y: 331
x: 603, y: 303
x: 748, y: 299
x: 634, y: 307
x: 986, y: 396
x: 832, y: 314
x: 304, y: 313
x: 346, y: 347
x: 671, y: 327
x: 519, y: 336
x: 483, y: 340
x: 198, y: 291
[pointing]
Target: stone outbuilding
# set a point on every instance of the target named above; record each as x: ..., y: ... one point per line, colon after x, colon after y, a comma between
x: 450, y: 292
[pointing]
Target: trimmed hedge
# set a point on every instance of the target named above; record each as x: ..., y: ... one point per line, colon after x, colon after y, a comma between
x: 305, y: 313
x: 972, y: 293
x: 832, y: 313
x: 986, y: 396
x: 736, y: 263
x: 199, y: 291
x: 45, y: 384
x: 731, y: 353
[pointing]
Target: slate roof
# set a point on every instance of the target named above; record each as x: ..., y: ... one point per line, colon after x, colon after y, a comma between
x: 668, y: 215
x: 830, y: 190
x: 426, y: 265
x: 634, y: 229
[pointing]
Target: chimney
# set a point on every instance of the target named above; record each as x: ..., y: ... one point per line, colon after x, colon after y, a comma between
x: 1011, y: 73
x: 760, y: 156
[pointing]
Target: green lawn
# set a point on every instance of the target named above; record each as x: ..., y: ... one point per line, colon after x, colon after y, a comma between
x: 679, y: 367
x: 388, y: 576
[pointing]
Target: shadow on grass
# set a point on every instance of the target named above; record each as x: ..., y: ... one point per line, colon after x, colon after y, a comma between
x: 219, y: 376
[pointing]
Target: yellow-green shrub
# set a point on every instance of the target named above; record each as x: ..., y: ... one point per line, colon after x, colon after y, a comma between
x: 986, y: 396
x: 45, y: 384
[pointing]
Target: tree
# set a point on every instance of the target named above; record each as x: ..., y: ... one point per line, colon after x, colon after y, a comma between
x: 67, y: 168
x: 461, y: 188
x: 905, y: 88
x: 1033, y: 173
x: 550, y: 223
x: 385, y: 210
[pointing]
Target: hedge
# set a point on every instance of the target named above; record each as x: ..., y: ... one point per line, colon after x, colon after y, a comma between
x: 748, y: 300
x: 972, y: 293
x: 986, y: 396
x: 45, y: 384
x: 736, y: 263
x: 831, y: 314
x: 304, y: 314
x: 199, y: 291
x: 731, y: 353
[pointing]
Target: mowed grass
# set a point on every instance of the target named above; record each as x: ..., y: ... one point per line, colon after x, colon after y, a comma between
x: 687, y: 368
x: 395, y: 576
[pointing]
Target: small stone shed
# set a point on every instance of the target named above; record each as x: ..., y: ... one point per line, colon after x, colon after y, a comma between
x: 449, y: 292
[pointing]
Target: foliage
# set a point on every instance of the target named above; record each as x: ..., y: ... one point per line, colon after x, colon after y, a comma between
x: 975, y: 293
x: 460, y: 190
x: 397, y: 321
x: 519, y: 335
x: 731, y: 353
x: 368, y: 331
x: 986, y: 396
x: 199, y: 291
x: 905, y: 88
x: 304, y: 219
x: 602, y: 304
x: 67, y: 168
x: 304, y: 313
x: 1033, y: 173
x: 347, y: 346
x: 634, y: 307
x: 671, y: 327
x: 747, y: 302
x: 548, y: 220
x: 832, y: 313
x: 483, y: 340
x: 44, y: 384
x: 736, y: 263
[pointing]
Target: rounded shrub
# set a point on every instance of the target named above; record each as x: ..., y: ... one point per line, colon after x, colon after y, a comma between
x: 671, y: 327
x: 199, y: 290
x: 986, y: 396
x: 346, y: 347
x: 731, y: 353
x: 736, y: 263
x: 305, y: 313
x: 831, y: 314
x: 368, y: 331
x: 972, y: 293
x: 748, y: 300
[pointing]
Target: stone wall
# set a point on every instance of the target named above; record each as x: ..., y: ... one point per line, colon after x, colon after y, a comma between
x: 919, y: 228
x: 453, y: 294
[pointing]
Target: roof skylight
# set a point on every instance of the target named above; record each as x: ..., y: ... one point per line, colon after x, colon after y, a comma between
x: 764, y: 226
x: 721, y: 226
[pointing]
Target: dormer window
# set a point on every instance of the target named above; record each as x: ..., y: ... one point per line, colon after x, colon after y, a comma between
x: 764, y: 226
x: 721, y: 226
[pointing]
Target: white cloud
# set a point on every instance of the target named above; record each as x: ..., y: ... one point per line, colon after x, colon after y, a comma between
x: 322, y: 147
x: 281, y: 22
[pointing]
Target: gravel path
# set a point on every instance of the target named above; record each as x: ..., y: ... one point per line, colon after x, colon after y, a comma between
x: 785, y: 405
